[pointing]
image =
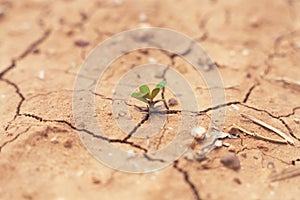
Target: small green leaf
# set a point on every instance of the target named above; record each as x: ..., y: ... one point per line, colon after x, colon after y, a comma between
x: 161, y: 85
x: 144, y: 89
x: 154, y: 92
x: 139, y: 97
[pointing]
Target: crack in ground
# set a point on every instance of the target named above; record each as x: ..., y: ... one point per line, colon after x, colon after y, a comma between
x: 280, y: 160
x: 274, y: 117
x: 144, y: 119
x: 14, y: 138
x: 121, y: 141
x: 17, y: 89
x: 25, y: 53
x: 86, y: 131
x: 249, y: 92
x: 28, y: 50
x: 187, y: 180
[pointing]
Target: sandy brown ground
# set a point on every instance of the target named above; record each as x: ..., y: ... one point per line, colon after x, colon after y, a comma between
x: 254, y: 43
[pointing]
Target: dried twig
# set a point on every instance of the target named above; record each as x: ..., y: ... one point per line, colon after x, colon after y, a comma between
x: 258, y: 135
x: 286, y: 173
x: 287, y: 81
x: 271, y: 128
x: 234, y: 87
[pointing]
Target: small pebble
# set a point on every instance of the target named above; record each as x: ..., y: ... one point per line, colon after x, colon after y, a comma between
x: 81, y: 43
x: 237, y: 180
x: 142, y: 17
x: 73, y: 64
x: 68, y: 144
x: 245, y: 52
x: 218, y: 143
x: 54, y: 140
x: 152, y: 60
x: 297, y: 120
x: 96, y: 180
x: 232, y: 53
x: 25, y: 26
x: 270, y: 165
x: 189, y: 155
x: 50, y: 51
x: 122, y: 114
x: 226, y: 144
x: 79, y: 173
x: 172, y: 102
x: 231, y: 161
x: 297, y: 44
x: 235, y: 107
x: 198, y: 132
x: 42, y: 74
x: 231, y: 149
x: 118, y: 2
x: 130, y: 153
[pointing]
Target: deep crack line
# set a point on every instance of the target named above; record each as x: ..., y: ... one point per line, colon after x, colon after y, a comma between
x: 26, y: 52
x: 14, y: 138
x: 17, y: 89
x: 274, y: 117
x: 187, y: 180
x: 145, y: 118
x: 249, y: 93
x: 86, y: 131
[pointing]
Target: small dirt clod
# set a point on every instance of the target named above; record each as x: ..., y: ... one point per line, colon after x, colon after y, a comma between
x: 231, y: 161
x: 81, y: 43
x: 68, y: 144
x: 172, y: 102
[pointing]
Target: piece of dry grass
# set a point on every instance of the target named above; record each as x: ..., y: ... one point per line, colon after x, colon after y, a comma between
x: 259, y: 136
x: 267, y: 126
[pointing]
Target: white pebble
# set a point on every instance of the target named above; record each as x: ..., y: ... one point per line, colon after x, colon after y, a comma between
x: 297, y: 120
x: 130, y: 153
x: 148, y: 142
x: 235, y: 107
x: 2, y: 96
x: 144, y: 25
x: 50, y: 51
x: 118, y: 2
x: 170, y: 128
x: 79, y: 173
x: 152, y: 60
x: 122, y: 114
x: 198, y: 132
x: 232, y: 53
x: 73, y: 64
x: 297, y: 45
x: 42, y: 74
x: 110, y: 154
x: 143, y: 17
x: 53, y: 140
x: 245, y: 52
x: 218, y: 143
x: 25, y: 26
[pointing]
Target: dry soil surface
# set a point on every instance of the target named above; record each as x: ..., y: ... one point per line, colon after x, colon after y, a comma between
x: 255, y: 45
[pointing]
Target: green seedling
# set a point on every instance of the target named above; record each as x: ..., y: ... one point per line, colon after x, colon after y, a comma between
x: 147, y: 96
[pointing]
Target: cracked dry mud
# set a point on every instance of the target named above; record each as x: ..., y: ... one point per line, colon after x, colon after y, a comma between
x: 256, y: 47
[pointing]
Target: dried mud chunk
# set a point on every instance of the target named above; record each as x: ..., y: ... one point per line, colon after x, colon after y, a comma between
x: 95, y: 180
x: 81, y: 43
x: 237, y: 180
x: 68, y: 144
x: 231, y: 161
x: 172, y: 102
